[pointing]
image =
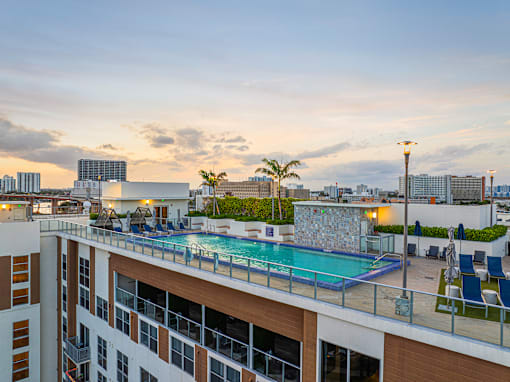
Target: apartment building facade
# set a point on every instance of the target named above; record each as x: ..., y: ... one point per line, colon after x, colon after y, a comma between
x: 249, y: 189
x: 8, y: 184
x: 468, y: 188
x: 28, y: 182
x: 92, y: 169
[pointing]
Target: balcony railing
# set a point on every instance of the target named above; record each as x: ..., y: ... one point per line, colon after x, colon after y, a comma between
x: 78, y: 352
x: 421, y: 308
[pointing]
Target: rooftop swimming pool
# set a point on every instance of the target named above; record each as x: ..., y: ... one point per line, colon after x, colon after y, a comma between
x: 315, y: 260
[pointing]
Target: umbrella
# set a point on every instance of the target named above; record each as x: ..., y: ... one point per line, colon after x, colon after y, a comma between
x: 417, y: 232
x: 461, y: 235
x: 450, y: 272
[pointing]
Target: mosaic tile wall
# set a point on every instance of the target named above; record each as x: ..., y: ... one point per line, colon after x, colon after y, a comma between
x: 328, y: 227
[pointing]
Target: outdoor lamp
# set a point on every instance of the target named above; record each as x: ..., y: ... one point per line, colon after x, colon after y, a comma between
x: 374, y: 214
x: 110, y: 205
x: 4, y: 206
x: 147, y: 202
x: 407, y: 146
x: 491, y: 172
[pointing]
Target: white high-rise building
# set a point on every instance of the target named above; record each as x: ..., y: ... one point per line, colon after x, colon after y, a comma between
x: 91, y: 169
x: 28, y: 182
x: 331, y: 191
x: 428, y: 186
x: 8, y: 184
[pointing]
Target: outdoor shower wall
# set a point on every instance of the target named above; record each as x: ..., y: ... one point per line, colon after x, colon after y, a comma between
x: 328, y: 227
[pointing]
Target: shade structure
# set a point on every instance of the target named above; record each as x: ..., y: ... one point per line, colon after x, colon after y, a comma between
x: 417, y: 232
x: 461, y: 235
x: 451, y: 273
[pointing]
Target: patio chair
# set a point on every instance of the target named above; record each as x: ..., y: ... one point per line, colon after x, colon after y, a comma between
x: 471, y: 294
x: 159, y: 228
x: 479, y: 257
x: 147, y: 228
x: 494, y: 268
x: 504, y: 295
x: 117, y: 229
x: 432, y: 252
x: 181, y: 226
x: 135, y: 230
x: 171, y: 227
x: 443, y: 254
x: 466, y: 265
x: 411, y: 249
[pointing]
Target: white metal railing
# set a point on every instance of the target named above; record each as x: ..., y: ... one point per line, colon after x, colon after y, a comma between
x: 78, y: 352
x: 368, y: 296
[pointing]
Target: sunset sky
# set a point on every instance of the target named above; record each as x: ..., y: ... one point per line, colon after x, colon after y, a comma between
x: 173, y: 87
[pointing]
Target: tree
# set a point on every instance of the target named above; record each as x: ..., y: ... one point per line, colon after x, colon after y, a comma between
x: 212, y: 180
x: 279, y: 171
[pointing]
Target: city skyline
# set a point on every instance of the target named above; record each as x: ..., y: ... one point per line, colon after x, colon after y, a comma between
x: 171, y: 89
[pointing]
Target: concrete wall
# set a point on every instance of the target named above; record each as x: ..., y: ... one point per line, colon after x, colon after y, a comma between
x: 438, y: 215
x: 144, y: 190
x: 173, y: 205
x: 494, y: 248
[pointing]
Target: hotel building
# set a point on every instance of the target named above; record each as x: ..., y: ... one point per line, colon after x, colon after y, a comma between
x: 91, y: 169
x: 28, y: 182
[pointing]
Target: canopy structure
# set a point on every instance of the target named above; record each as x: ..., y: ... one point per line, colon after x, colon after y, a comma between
x: 139, y: 217
x: 107, y: 219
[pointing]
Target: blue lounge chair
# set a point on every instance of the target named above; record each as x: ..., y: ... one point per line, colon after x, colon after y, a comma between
x: 159, y: 228
x: 117, y: 229
x: 135, y: 230
x: 504, y: 295
x: 171, y: 227
x: 181, y: 226
x: 147, y: 228
x: 432, y: 252
x: 466, y: 265
x: 472, y: 294
x: 495, y: 268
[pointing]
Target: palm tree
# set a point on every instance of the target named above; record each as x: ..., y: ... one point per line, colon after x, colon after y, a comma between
x: 212, y: 180
x: 280, y: 171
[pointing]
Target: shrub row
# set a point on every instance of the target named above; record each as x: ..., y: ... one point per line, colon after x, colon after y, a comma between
x: 256, y: 207
x: 487, y: 234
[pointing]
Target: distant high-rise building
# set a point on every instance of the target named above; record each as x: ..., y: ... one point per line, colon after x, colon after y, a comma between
x: 28, y: 182
x: 8, y: 184
x: 295, y: 186
x: 91, y: 169
x: 361, y: 188
x: 331, y: 191
x: 259, y: 178
x: 468, y: 188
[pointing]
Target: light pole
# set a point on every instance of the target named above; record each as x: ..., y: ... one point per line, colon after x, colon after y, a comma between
x: 100, y: 202
x: 407, y: 152
x: 272, y: 198
x: 492, y: 194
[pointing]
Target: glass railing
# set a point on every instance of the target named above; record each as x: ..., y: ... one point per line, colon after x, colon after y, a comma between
x: 184, y: 326
x: 274, y: 367
x: 419, y: 308
x: 228, y: 346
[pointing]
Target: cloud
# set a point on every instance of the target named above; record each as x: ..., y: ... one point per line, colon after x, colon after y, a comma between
x: 107, y: 146
x: 507, y: 122
x: 41, y: 146
x: 324, y: 151
x: 373, y: 172
x: 156, y: 136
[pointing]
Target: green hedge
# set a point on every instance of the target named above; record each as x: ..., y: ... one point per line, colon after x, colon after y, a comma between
x: 487, y: 234
x: 254, y: 207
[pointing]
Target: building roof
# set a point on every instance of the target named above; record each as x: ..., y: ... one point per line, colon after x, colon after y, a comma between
x: 342, y: 205
x: 13, y: 202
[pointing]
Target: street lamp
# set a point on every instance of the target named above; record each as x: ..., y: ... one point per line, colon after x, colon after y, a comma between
x: 492, y: 194
x: 407, y: 152
x: 272, y: 198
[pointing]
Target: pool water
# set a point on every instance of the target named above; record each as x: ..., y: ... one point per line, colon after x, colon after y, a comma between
x: 314, y: 260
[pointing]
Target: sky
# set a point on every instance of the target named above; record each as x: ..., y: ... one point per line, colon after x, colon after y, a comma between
x: 175, y: 87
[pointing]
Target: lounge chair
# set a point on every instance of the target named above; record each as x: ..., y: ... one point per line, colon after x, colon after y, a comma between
x: 504, y: 295
x: 479, y: 257
x: 135, y: 230
x: 466, y: 265
x: 411, y: 249
x: 494, y: 268
x: 159, y: 229
x: 432, y: 252
x: 181, y: 226
x: 171, y: 227
x: 472, y: 291
x: 147, y: 228
x: 117, y: 229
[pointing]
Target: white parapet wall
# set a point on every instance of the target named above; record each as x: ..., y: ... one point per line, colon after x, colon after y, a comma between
x: 493, y: 248
x: 438, y: 215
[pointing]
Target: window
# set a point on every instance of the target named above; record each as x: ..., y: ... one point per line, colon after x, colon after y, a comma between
x: 223, y: 373
x: 145, y: 376
x: 20, y: 366
x: 183, y: 356
x: 84, y: 272
x: 64, y: 298
x: 101, y: 352
x: 102, y: 308
x: 64, y: 266
x: 19, y: 269
x: 149, y: 336
x: 20, y: 296
x: 84, y: 298
x: 101, y: 377
x: 64, y: 327
x: 20, y: 335
x: 122, y: 320
x: 122, y: 367
x: 344, y: 365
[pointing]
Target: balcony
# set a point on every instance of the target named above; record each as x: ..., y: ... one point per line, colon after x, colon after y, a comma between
x: 78, y: 352
x: 73, y: 375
